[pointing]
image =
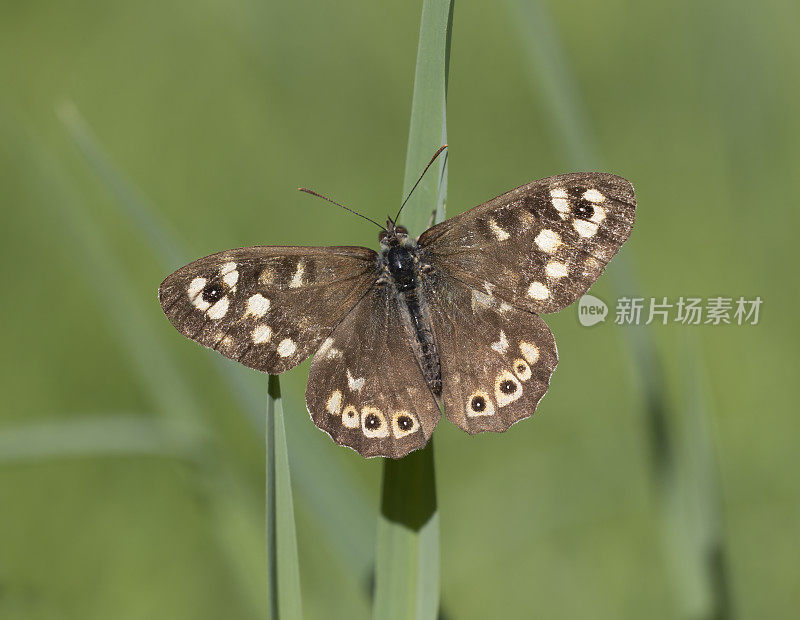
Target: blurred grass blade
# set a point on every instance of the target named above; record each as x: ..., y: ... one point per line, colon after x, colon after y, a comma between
x: 182, y: 414
x: 553, y: 79
x: 283, y: 569
x: 347, y: 528
x: 694, y: 541
x: 96, y: 435
x: 407, y: 554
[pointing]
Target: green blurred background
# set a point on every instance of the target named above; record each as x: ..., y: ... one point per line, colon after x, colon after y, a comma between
x: 131, y: 472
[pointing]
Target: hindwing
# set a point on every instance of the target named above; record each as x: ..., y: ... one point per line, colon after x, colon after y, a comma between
x: 365, y: 388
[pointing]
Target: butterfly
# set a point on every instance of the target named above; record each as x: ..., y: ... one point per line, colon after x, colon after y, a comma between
x: 449, y: 319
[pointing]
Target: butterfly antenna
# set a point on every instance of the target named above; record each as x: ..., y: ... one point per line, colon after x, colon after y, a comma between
x: 313, y: 193
x: 430, y: 163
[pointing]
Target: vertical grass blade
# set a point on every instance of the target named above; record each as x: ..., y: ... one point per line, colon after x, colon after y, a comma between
x: 407, y: 554
x: 337, y: 496
x: 181, y: 413
x: 553, y: 79
x: 283, y: 572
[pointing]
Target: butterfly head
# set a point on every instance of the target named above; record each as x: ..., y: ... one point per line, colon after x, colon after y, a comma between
x: 394, y: 236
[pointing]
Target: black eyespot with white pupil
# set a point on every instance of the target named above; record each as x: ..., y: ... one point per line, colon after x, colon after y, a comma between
x: 508, y: 387
x: 405, y: 423
x: 584, y: 209
x: 478, y: 403
x: 372, y: 422
x: 212, y: 293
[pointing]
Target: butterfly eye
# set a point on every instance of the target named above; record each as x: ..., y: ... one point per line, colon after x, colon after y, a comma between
x: 402, y: 230
x: 584, y: 209
x: 382, y: 236
x: 212, y: 293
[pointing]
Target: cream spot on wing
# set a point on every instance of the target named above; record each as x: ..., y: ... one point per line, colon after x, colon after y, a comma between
x: 227, y: 268
x: 231, y: 278
x: 507, y: 388
x: 297, y: 278
x: 334, y: 404
x: 547, y: 240
x: 328, y: 351
x: 261, y: 334
x: 194, y: 291
x: 501, y: 346
x: 539, y: 291
x: 195, y: 287
x: 593, y: 195
x: 504, y: 307
x: 403, y: 423
x: 373, y: 423
x: 584, y: 228
x: 479, y: 403
x: 355, y: 385
x: 599, y: 214
x: 556, y: 270
x: 560, y: 199
x: 529, y: 351
x: 286, y: 347
x: 257, y: 305
x: 350, y: 417
x: 501, y: 234
x: 219, y: 309
x: 521, y: 369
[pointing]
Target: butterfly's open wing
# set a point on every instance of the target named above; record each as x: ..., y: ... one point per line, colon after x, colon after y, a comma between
x: 540, y: 246
x: 267, y: 307
x: 496, y: 359
x: 365, y: 388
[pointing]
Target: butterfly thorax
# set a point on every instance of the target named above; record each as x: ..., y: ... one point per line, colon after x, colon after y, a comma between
x: 403, y: 272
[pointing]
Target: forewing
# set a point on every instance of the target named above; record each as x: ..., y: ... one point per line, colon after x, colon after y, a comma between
x: 267, y: 307
x: 365, y: 388
x: 496, y: 359
x: 539, y: 246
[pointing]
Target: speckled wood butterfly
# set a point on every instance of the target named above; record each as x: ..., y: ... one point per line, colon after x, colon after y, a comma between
x: 450, y: 318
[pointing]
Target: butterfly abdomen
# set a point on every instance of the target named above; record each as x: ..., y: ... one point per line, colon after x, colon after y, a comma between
x: 403, y: 266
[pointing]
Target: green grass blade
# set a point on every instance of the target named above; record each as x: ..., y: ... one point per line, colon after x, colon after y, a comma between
x: 694, y: 541
x: 407, y: 577
x: 230, y: 503
x: 347, y: 527
x: 283, y: 568
x: 427, y: 130
x: 88, y: 436
x: 407, y: 553
x: 553, y: 80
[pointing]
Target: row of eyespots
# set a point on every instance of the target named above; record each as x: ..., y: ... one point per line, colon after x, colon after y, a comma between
x: 507, y: 384
x: 371, y: 419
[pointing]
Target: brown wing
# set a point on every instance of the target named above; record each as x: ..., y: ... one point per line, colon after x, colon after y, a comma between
x: 267, y: 307
x: 365, y: 388
x: 539, y: 246
x: 496, y: 359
